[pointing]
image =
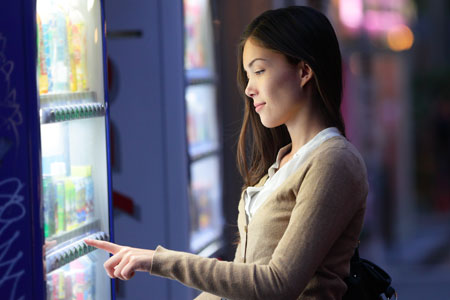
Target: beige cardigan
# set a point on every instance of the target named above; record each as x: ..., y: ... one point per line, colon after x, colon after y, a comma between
x: 299, y: 242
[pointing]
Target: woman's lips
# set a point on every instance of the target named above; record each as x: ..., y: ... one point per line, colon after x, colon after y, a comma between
x: 259, y: 106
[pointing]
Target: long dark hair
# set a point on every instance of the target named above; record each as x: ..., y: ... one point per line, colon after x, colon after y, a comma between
x: 301, y: 34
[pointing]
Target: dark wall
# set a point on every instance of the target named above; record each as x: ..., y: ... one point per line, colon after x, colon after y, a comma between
x: 232, y: 16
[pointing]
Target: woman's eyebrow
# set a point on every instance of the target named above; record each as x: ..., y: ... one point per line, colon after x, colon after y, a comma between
x: 255, y: 59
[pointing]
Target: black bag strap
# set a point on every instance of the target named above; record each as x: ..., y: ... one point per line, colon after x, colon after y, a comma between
x: 355, y: 257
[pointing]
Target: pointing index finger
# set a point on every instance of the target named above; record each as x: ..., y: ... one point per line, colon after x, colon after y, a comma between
x: 107, y: 246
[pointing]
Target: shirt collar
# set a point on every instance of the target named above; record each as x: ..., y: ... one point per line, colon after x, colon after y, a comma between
x: 316, y: 140
x: 276, y: 165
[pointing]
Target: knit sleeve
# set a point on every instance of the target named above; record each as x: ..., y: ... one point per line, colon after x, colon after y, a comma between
x: 333, y: 189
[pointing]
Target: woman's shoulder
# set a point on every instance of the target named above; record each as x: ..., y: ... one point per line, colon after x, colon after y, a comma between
x: 338, y: 152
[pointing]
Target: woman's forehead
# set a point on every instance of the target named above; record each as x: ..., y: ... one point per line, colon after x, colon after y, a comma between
x: 252, y: 46
x: 254, y: 51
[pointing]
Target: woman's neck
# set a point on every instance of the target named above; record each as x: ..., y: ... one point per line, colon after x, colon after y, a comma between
x: 304, y: 127
x: 300, y: 134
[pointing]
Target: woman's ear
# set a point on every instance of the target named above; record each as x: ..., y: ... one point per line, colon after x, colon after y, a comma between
x: 305, y: 72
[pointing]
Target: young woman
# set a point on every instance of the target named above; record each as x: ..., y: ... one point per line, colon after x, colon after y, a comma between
x: 303, y: 202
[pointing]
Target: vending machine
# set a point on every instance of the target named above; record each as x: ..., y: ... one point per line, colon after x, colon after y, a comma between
x: 55, y: 187
x: 204, y: 143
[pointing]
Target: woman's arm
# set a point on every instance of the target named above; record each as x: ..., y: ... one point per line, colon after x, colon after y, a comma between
x: 333, y: 190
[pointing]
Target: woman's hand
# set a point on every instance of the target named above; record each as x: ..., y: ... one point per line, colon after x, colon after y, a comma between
x: 125, y: 260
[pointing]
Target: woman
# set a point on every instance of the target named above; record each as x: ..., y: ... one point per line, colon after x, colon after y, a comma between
x: 303, y: 201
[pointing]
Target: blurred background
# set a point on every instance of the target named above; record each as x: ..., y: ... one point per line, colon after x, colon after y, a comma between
x: 176, y: 114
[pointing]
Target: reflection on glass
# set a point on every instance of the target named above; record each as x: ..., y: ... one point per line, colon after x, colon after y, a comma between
x: 69, y: 55
x: 206, y: 221
x: 61, y: 47
x: 73, y: 281
x: 201, y: 118
x: 198, y: 35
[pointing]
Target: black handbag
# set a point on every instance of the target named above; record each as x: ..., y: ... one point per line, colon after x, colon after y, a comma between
x: 367, y: 281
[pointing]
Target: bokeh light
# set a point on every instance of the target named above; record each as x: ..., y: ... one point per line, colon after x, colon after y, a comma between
x: 400, y: 38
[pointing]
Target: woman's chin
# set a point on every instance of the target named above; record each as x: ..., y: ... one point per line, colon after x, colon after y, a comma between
x: 269, y: 123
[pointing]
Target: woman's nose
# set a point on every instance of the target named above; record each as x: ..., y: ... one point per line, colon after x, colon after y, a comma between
x: 250, y: 91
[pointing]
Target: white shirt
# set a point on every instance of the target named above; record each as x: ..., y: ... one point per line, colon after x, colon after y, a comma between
x: 254, y: 197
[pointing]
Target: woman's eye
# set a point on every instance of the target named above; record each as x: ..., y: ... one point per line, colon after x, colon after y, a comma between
x: 259, y: 72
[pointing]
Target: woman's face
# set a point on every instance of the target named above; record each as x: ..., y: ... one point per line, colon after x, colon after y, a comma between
x: 273, y: 84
